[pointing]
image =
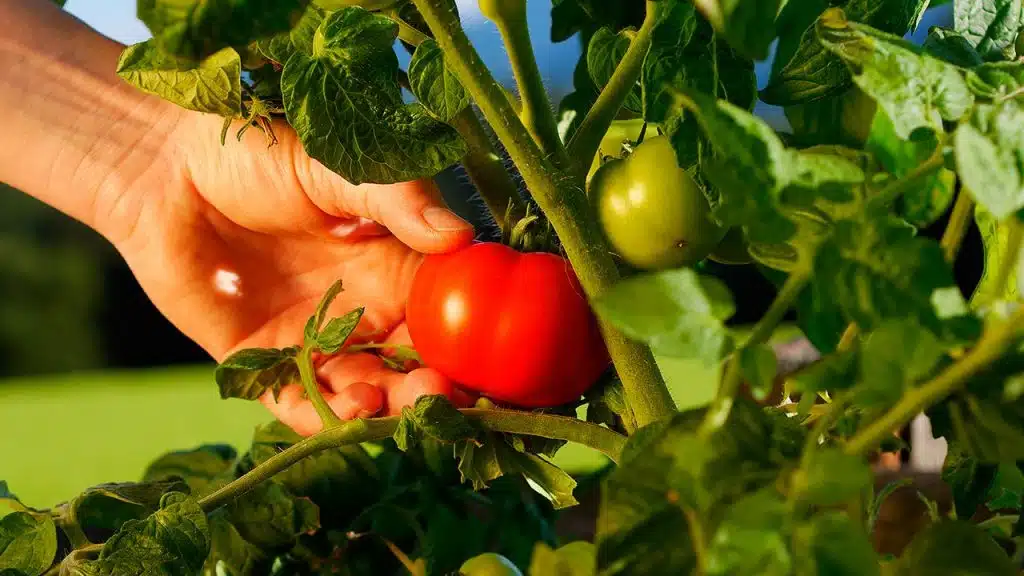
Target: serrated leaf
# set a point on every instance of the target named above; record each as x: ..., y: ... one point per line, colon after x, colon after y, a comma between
x: 678, y: 312
x: 195, y: 29
x: 483, y: 461
x: 28, y: 543
x: 316, y: 321
x: 893, y: 358
x: 336, y: 332
x: 996, y: 80
x: 951, y: 46
x: 954, y: 547
x: 248, y: 373
x: 573, y: 559
x: 436, y: 87
x: 991, y: 26
x: 280, y: 47
x: 172, y: 541
x: 883, y: 64
x: 748, y: 26
x: 604, y: 53
x: 213, y: 85
x: 995, y: 239
x: 812, y: 72
x: 345, y: 103
x: 985, y: 429
x: 752, y: 538
x: 433, y: 416
x: 102, y: 510
x: 270, y: 517
x: 199, y: 468
x: 989, y: 150
x: 831, y: 477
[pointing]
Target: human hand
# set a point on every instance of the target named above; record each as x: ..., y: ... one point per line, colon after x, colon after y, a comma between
x: 236, y: 244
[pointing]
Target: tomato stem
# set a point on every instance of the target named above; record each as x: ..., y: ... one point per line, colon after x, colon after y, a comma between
x: 309, y: 382
x: 718, y: 413
x: 564, y: 203
x: 998, y: 337
x: 959, y: 221
x: 602, y: 439
x: 587, y: 140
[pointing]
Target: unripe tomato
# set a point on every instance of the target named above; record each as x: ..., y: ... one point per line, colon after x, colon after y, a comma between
x: 653, y: 212
x: 512, y: 326
x: 733, y: 249
x: 611, y: 145
x: 489, y: 564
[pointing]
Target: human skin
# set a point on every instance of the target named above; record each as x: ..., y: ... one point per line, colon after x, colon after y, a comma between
x: 235, y: 244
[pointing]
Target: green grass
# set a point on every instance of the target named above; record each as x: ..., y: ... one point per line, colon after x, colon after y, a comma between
x: 62, y: 434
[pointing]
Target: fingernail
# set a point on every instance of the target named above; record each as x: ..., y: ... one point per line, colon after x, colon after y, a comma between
x: 444, y: 220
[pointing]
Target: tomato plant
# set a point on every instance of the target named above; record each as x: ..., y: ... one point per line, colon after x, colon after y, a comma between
x: 774, y: 473
x: 489, y: 564
x: 514, y: 327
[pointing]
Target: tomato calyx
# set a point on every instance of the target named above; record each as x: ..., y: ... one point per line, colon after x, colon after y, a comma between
x: 531, y: 233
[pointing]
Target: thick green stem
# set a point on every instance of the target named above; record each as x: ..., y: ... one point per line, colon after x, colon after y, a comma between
x: 990, y: 347
x: 587, y: 139
x: 312, y: 387
x: 488, y: 173
x: 959, y: 221
x: 536, y: 113
x: 565, y: 205
x: 890, y: 193
x: 604, y: 440
x: 718, y: 413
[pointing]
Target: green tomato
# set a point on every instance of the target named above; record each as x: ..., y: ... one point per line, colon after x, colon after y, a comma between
x: 489, y: 564
x: 653, y: 212
x: 733, y: 249
x: 619, y: 132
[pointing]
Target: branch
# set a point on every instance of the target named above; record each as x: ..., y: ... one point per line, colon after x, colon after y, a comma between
x: 312, y: 387
x: 564, y: 204
x: 959, y: 221
x: 602, y: 439
x: 587, y: 139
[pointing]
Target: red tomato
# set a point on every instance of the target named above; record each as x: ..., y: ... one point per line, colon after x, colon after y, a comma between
x: 512, y: 326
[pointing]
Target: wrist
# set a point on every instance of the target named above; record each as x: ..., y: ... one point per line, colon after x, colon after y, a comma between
x: 76, y: 136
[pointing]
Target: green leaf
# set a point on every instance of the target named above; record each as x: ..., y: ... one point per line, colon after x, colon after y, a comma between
x: 604, y: 53
x: 195, y: 29
x: 607, y: 405
x: 831, y: 477
x: 991, y: 26
x: 199, y: 468
x: 831, y: 543
x: 989, y: 150
x: 996, y: 80
x: 345, y: 103
x: 433, y: 416
x: 949, y: 45
x: 995, y: 238
x: 573, y: 559
x: 678, y: 312
x: 174, y: 540
x: 339, y: 481
x: 230, y: 551
x: 27, y: 542
x: 280, y: 47
x: 270, y: 517
x: 759, y: 366
x: 834, y: 372
x: 436, y: 87
x: 1007, y: 488
x: 102, y: 510
x: 752, y: 538
x: 893, y: 358
x: 884, y: 63
x: 954, y: 547
x: 483, y: 461
x: 813, y: 72
x: 213, y: 85
x: 248, y: 373
x: 986, y: 429
x: 748, y: 26
x: 316, y: 321
x: 932, y: 194
x: 336, y: 332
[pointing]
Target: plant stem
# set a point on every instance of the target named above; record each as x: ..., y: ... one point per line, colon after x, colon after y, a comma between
x: 696, y: 530
x: 407, y: 32
x: 604, y: 440
x: 1013, y: 244
x: 565, y: 205
x: 718, y: 413
x: 990, y: 347
x: 488, y: 173
x: 890, y: 193
x: 587, y: 139
x: 536, y: 113
x: 312, y: 387
x: 959, y: 221
x: 848, y: 337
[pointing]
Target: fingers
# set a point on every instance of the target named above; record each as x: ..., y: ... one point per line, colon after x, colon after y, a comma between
x: 413, y: 211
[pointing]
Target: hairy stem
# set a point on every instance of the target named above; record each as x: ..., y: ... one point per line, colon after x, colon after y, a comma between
x: 993, y: 344
x: 604, y: 440
x: 959, y: 221
x: 488, y: 173
x: 536, y: 113
x: 312, y: 387
x: 587, y: 139
x: 565, y: 205
x: 718, y: 413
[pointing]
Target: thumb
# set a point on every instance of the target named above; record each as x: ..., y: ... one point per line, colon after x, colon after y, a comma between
x: 414, y: 211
